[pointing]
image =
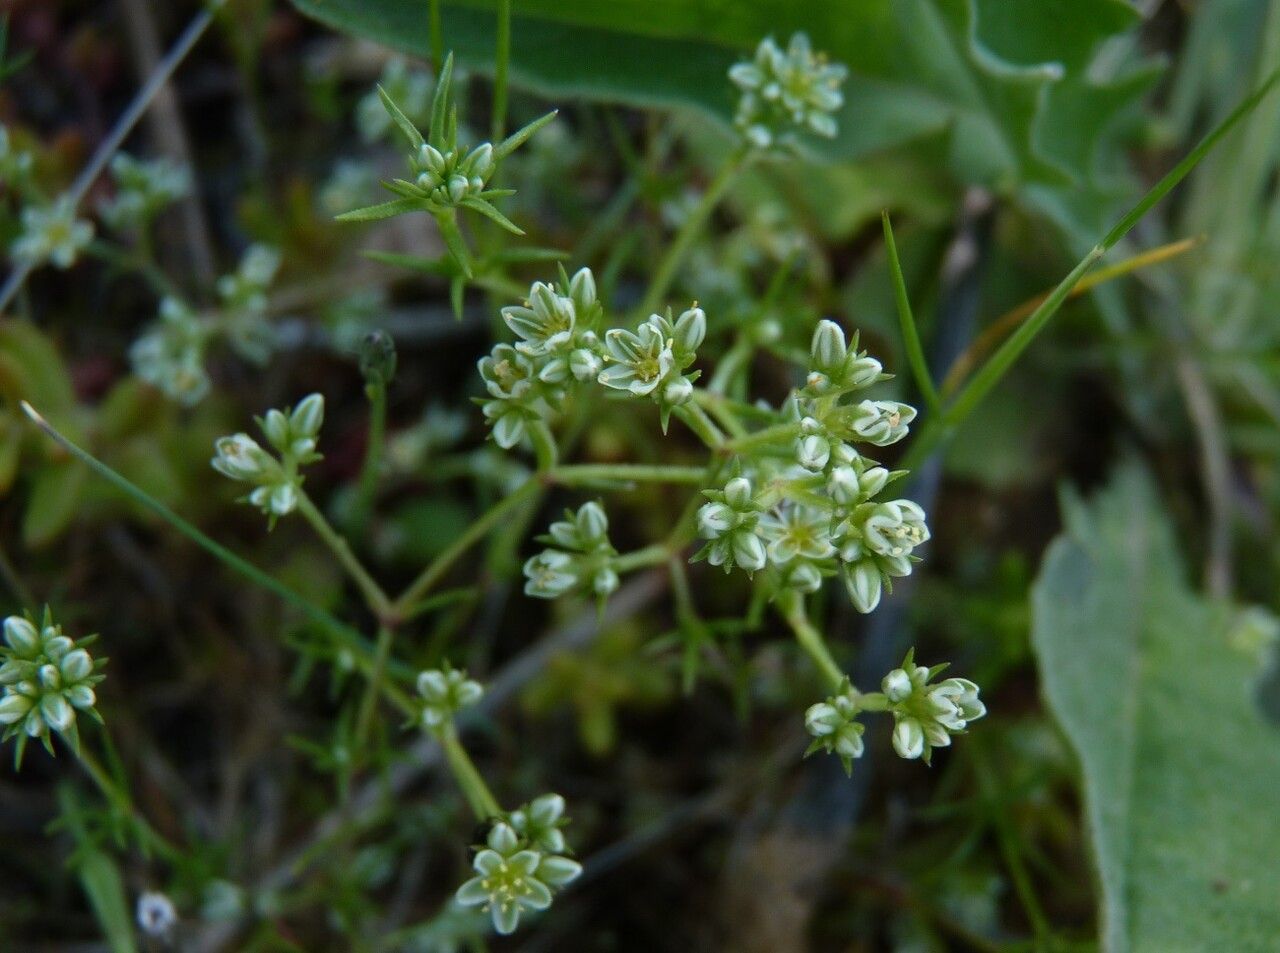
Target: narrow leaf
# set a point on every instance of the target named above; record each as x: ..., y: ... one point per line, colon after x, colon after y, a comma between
x: 440, y: 101
x: 374, y: 213
x: 520, y: 136
x: 406, y: 125
x: 488, y: 211
x: 907, y: 321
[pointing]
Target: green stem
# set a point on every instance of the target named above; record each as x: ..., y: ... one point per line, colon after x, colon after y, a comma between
x: 405, y: 603
x: 697, y: 420
x: 778, y: 433
x: 437, y: 34
x: 121, y: 801
x: 733, y: 361
x: 640, y: 558
x: 372, y: 688
x: 477, y: 793
x: 679, y: 247
x: 907, y: 321
x: 588, y: 473
x: 348, y: 636
x: 378, y: 601
x: 544, y: 445
x: 367, y: 487
x: 502, y: 55
x: 792, y: 607
x: 721, y: 409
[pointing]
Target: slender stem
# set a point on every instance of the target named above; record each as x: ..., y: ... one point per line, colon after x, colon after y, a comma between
x: 367, y: 487
x: 502, y: 55
x: 588, y: 473
x: 352, y: 639
x: 121, y: 801
x: 697, y: 420
x: 721, y: 409
x: 733, y: 361
x: 544, y: 445
x: 778, y: 433
x: 124, y: 125
x: 640, y: 558
x: 372, y: 688
x: 907, y: 321
x: 792, y: 607
x: 378, y: 601
x: 689, y: 231
x: 477, y: 793
x: 475, y: 532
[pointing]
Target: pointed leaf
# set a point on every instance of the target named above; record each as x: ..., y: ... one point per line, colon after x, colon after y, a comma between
x: 401, y: 120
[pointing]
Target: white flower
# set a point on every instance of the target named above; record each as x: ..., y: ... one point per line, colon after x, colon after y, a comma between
x: 52, y: 234
x: 156, y: 915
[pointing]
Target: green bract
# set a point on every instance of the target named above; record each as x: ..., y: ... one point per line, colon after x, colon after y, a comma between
x: 47, y: 678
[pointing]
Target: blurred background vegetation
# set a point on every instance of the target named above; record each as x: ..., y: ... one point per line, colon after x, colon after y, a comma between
x: 1118, y: 791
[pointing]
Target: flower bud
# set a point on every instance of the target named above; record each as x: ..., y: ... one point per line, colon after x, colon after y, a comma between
x: 748, y: 551
x: 678, y: 392
x: 593, y: 524
x: 21, y: 635
x: 377, y: 358
x: 738, y: 493
x: 690, y: 329
x: 605, y: 582
x: 582, y: 289
x: 908, y: 738
x: 844, y: 486
x: 864, y: 584
x: 276, y: 427
x: 896, y: 685
x: 585, y: 364
x: 715, y: 519
x: 308, y: 415
x: 828, y: 348
x: 813, y: 452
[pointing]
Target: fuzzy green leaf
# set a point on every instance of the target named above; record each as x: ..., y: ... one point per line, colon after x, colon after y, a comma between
x: 1179, y: 766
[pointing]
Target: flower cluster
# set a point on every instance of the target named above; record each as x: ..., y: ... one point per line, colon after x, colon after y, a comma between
x: 558, y: 345
x: 444, y: 692
x: 143, y: 188
x: 47, y: 678
x: 170, y: 354
x: 651, y: 361
x: 925, y: 715
x: 51, y: 233
x: 579, y: 554
x: 782, y: 90
x: 813, y: 513
x: 520, y: 870
x: 444, y: 175
x: 277, y: 481
x: 410, y: 89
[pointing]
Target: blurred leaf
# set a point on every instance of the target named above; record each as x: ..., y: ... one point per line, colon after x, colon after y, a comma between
x: 979, y: 69
x: 1178, y: 763
x: 102, y: 885
x: 55, y: 495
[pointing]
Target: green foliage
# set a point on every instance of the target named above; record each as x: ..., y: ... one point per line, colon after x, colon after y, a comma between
x: 1176, y: 757
x: 995, y: 86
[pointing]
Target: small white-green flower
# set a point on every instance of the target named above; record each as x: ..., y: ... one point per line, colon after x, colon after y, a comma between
x: 835, y: 728
x: 927, y: 715
x: 881, y: 422
x: 894, y: 528
x: 444, y: 692
x: 47, y: 678
x: 539, y: 823
x: 583, y: 555
x: 143, y: 188
x: 639, y: 360
x: 781, y: 90
x: 294, y: 435
x: 797, y: 532
x: 52, y: 234
x: 170, y: 355
x: 835, y: 367
x: 731, y: 524
x: 510, y: 878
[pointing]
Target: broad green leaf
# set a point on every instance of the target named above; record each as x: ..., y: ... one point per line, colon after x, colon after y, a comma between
x: 55, y: 496
x: 1179, y: 767
x: 979, y: 70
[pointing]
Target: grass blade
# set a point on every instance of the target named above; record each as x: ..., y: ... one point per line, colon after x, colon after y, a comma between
x: 910, y: 336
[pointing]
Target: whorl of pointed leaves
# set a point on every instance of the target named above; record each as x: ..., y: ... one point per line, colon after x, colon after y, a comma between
x: 444, y: 176
x: 47, y: 679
